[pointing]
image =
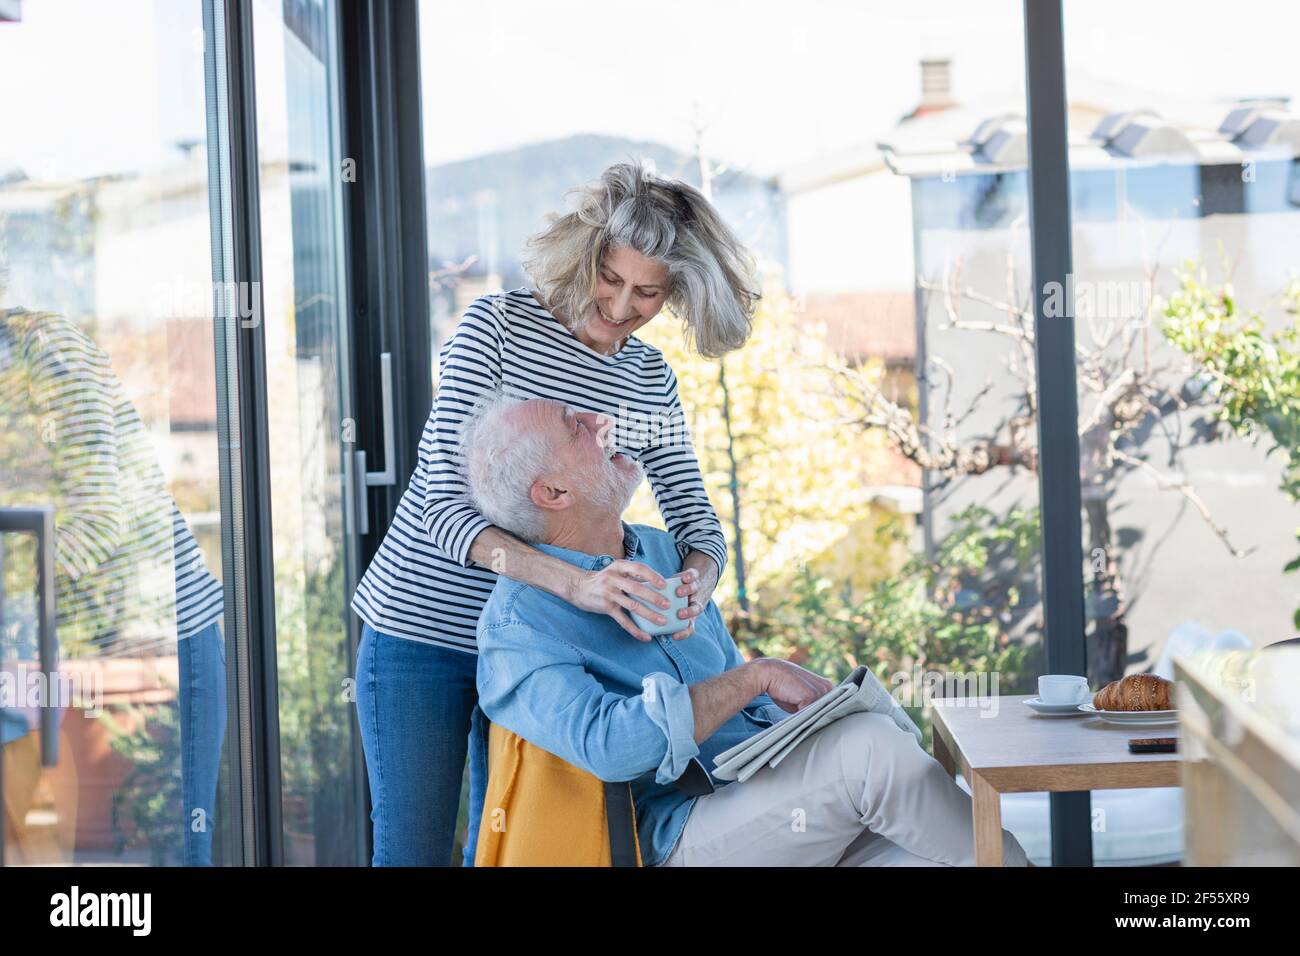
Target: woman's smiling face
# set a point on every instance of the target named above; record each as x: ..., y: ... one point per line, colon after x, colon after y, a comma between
x: 630, y: 291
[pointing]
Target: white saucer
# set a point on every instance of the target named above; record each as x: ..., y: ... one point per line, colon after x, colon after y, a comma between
x: 1133, y: 718
x: 1053, y: 710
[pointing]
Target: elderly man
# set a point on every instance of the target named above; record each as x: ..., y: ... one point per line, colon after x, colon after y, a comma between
x: 858, y: 793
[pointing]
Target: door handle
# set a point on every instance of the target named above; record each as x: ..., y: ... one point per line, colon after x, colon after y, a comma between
x: 38, y: 520
x: 361, y: 478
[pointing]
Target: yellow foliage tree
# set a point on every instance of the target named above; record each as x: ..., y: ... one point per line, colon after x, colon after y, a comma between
x: 772, y: 446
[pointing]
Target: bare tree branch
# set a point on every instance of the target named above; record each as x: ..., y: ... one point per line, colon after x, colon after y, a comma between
x: 1169, y: 483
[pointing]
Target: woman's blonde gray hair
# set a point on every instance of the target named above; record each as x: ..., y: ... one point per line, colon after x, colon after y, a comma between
x: 713, y: 282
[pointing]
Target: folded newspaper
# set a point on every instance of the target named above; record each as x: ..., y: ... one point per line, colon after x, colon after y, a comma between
x: 861, y: 691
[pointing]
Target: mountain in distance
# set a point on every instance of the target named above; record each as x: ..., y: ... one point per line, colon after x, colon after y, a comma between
x: 487, y: 206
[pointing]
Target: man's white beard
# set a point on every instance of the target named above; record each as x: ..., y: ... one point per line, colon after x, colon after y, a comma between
x: 613, y: 488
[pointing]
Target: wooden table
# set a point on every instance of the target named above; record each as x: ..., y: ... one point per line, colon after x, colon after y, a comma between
x: 1001, y: 746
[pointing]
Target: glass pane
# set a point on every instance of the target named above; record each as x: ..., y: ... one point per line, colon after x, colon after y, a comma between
x: 870, y: 451
x: 108, y: 416
x: 305, y: 314
x: 1186, y: 208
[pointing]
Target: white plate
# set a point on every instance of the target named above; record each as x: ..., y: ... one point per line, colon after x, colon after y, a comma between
x: 1053, y: 710
x: 1133, y: 718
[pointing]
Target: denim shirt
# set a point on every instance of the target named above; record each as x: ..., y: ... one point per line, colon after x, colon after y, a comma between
x: 576, y: 684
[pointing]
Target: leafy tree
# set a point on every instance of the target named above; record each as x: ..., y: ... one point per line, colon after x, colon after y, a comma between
x: 789, y: 479
x: 1125, y: 397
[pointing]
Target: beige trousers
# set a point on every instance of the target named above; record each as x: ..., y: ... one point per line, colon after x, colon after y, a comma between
x: 860, y: 792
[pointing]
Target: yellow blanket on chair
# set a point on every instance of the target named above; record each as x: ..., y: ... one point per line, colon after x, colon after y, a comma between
x: 540, y: 810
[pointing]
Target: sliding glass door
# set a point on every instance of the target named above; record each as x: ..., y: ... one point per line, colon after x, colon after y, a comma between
x: 114, y: 703
x: 301, y: 174
x: 176, y: 543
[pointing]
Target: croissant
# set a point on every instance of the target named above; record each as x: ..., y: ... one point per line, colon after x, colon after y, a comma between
x: 1136, y: 692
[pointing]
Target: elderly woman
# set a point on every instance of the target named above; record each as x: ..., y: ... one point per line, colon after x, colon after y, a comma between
x: 634, y: 243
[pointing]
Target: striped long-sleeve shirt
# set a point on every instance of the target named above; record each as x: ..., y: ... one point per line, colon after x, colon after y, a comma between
x: 422, y: 584
x: 130, y: 577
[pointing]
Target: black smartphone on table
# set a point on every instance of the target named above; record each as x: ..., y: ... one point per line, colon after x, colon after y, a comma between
x: 1153, y: 745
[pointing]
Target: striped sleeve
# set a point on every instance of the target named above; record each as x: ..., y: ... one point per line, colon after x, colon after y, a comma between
x: 674, y: 475
x: 70, y: 392
x: 469, y: 369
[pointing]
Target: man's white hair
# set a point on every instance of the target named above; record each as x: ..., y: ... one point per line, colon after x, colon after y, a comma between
x: 501, y: 463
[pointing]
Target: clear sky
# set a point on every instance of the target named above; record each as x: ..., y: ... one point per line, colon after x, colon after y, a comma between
x: 93, y: 86
x: 782, y: 82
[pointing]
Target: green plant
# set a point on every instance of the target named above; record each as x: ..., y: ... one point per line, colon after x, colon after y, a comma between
x: 315, y: 733
x: 151, y: 795
x: 953, y: 615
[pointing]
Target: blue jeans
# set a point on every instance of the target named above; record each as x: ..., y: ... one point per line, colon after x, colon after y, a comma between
x: 202, y: 692
x: 417, y: 705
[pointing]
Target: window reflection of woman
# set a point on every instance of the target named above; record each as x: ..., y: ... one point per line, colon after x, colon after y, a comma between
x: 130, y: 578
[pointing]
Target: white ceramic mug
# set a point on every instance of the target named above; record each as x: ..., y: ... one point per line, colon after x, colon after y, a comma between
x: 674, y: 623
x: 1062, y: 689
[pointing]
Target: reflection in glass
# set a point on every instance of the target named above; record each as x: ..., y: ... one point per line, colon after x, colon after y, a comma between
x: 132, y: 583
x: 108, y: 416
x: 305, y: 313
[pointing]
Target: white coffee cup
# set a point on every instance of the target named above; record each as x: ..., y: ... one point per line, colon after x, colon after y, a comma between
x: 1062, y: 689
x: 674, y: 623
